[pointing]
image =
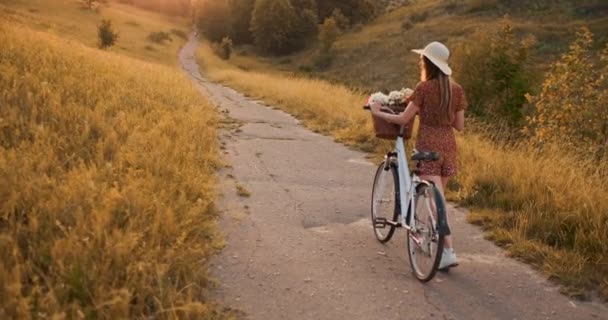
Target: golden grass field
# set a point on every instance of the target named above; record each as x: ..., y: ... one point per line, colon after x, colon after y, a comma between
x: 107, y: 167
x: 70, y: 19
x: 548, y: 209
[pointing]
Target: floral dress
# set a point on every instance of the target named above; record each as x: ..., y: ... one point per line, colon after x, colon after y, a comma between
x: 434, y: 135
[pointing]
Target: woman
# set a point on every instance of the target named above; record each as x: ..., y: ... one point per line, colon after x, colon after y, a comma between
x: 440, y: 104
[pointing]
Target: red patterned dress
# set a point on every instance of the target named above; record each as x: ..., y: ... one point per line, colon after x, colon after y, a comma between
x: 434, y: 135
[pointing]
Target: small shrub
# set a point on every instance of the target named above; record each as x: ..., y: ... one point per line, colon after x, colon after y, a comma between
x: 159, y: 37
x: 306, y: 68
x: 419, y: 17
x: 323, y: 60
x: 451, y: 5
x: 179, y: 33
x: 106, y: 34
x: 226, y: 46
x: 342, y: 20
x: 481, y: 5
x: 89, y: 3
x: 407, y: 24
x: 328, y: 34
x: 242, y: 191
x: 132, y: 23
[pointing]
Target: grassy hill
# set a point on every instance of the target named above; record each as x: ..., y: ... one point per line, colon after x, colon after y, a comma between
x: 72, y: 20
x: 377, y: 55
x: 107, y: 163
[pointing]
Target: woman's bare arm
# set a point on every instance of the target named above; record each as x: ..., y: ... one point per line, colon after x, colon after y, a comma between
x: 458, y: 123
x: 401, y: 119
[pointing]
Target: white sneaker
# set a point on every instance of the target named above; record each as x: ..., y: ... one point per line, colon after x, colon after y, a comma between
x: 448, y: 259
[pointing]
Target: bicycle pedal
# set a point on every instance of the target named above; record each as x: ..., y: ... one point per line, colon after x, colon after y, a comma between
x: 380, y: 223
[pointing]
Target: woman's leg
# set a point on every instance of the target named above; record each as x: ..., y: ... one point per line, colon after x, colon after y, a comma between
x: 444, y: 185
x: 439, y: 183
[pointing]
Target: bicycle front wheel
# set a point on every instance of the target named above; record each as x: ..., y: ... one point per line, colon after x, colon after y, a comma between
x: 385, y: 206
x: 424, y: 243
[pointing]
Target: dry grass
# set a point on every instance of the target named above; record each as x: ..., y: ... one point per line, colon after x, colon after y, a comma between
x: 107, y: 171
x: 70, y: 19
x: 548, y: 209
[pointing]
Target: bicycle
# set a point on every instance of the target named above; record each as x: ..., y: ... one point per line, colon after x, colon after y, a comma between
x: 425, y: 221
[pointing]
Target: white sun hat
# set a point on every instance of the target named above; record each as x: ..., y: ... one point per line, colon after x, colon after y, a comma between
x: 438, y: 54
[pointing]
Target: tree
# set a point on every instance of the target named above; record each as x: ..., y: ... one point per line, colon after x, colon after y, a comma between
x: 213, y: 19
x: 106, y: 34
x: 272, y: 25
x: 328, y: 34
x: 493, y: 69
x: 356, y: 11
x: 240, y: 20
x: 342, y: 20
x: 507, y: 62
x: 571, y: 109
x: 306, y: 28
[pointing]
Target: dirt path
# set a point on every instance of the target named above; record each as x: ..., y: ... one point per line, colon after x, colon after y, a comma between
x: 301, y: 246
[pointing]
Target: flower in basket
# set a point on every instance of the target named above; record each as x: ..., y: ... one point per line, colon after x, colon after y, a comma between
x: 398, y: 97
x: 392, y: 99
x: 378, y: 97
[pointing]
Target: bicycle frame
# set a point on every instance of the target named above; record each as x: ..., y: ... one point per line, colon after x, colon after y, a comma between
x: 406, y: 184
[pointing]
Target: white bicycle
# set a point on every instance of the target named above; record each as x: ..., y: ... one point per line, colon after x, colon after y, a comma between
x: 395, y: 188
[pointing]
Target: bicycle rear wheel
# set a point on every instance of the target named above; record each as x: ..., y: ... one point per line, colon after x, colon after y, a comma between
x: 425, y: 244
x: 385, y: 207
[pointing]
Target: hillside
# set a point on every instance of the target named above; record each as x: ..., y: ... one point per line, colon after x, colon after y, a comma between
x: 377, y: 55
x: 72, y: 20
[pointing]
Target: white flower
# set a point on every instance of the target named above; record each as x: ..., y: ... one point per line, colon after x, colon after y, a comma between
x: 393, y: 98
x: 398, y: 97
x: 378, y: 97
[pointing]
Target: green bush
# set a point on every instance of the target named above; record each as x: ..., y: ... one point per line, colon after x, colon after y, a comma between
x: 493, y: 69
x: 106, y: 34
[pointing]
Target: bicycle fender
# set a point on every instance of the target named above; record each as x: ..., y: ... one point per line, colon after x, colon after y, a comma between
x: 442, y: 221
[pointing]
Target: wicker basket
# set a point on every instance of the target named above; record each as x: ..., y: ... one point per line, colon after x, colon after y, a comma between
x: 390, y: 131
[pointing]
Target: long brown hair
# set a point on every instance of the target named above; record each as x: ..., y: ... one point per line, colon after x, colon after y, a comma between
x: 431, y: 71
